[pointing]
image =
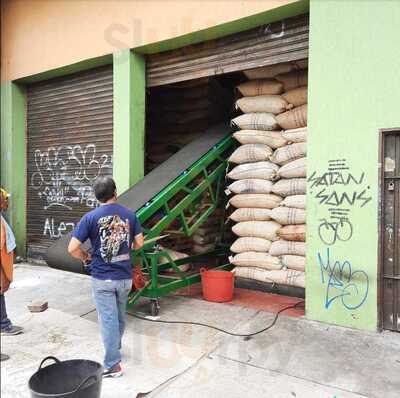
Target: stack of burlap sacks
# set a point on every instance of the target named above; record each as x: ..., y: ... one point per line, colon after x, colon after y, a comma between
x: 179, y: 113
x: 269, y: 173
x: 207, y: 236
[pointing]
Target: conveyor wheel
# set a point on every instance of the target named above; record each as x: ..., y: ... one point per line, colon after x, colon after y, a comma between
x: 154, y: 307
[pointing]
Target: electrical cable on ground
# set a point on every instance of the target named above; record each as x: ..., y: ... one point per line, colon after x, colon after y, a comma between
x: 247, y: 335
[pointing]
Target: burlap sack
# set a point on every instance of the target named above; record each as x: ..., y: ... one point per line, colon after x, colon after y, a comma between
x: 298, y: 263
x: 175, y: 255
x: 271, y: 71
x: 263, y: 103
x: 288, y: 215
x: 249, y: 153
x: 260, y: 87
x: 257, y: 229
x: 290, y: 187
x: 293, y: 79
x: 293, y: 119
x: 281, y: 247
x: 200, y: 249
x: 297, y: 168
x: 250, y: 214
x: 295, y: 233
x: 296, y: 96
x: 256, y: 259
x: 283, y: 277
x: 257, y: 121
x: 271, y: 138
x: 255, y: 200
x: 295, y: 135
x: 248, y: 244
x: 289, y: 153
x: 206, y: 230
x: 261, y: 170
x: 203, y: 240
x: 251, y: 185
x: 296, y: 201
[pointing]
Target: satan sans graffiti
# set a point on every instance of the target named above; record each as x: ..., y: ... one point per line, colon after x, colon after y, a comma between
x: 324, y: 187
x: 342, y: 190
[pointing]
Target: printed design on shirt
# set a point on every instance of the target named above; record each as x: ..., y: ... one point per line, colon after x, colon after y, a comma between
x: 113, y: 232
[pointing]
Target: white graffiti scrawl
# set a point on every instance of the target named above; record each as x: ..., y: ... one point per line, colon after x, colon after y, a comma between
x: 54, y: 230
x: 63, y: 176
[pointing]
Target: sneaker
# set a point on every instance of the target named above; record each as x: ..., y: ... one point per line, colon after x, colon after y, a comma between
x: 4, y: 357
x: 12, y: 331
x: 116, y: 371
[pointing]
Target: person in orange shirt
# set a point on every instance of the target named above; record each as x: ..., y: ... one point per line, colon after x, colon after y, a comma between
x: 7, y: 243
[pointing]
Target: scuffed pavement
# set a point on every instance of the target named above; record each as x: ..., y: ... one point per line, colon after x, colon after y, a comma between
x: 296, y: 358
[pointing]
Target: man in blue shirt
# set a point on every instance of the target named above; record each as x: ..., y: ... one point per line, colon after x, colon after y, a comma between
x: 114, y: 231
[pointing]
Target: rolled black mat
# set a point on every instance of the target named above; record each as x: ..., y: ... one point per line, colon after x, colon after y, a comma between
x: 57, y: 254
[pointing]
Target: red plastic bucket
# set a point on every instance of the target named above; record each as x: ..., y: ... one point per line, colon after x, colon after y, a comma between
x: 217, y: 285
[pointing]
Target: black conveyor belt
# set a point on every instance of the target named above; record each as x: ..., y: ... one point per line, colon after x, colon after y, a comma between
x: 146, y: 189
x: 159, y: 178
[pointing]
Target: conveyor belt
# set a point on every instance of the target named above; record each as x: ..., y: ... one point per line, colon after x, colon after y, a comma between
x: 141, y: 193
x: 157, y: 179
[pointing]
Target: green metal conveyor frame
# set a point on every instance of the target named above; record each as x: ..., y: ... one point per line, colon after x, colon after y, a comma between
x: 179, y: 203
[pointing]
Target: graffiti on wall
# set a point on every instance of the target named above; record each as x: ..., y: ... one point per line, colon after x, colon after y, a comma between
x: 343, y: 283
x: 63, y: 175
x: 55, y: 230
x: 325, y: 186
x: 63, y: 178
x: 340, y: 191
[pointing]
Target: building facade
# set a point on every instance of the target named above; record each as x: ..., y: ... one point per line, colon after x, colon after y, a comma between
x: 85, y: 64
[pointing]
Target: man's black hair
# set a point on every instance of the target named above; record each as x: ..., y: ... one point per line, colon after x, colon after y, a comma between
x: 104, y: 188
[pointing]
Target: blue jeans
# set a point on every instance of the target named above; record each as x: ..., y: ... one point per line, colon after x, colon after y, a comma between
x: 111, y: 297
x: 5, y: 322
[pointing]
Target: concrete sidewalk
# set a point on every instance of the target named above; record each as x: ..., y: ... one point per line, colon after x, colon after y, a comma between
x: 296, y: 358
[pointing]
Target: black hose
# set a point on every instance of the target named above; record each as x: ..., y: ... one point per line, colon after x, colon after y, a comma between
x: 247, y: 336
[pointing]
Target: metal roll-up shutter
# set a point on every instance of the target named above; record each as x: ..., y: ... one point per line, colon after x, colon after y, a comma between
x: 282, y: 41
x: 70, y: 143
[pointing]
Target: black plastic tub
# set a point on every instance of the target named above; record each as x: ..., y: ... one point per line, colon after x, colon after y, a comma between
x: 77, y: 378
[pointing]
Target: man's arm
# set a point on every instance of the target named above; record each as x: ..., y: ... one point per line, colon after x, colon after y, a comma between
x: 75, y: 250
x: 136, y: 231
x: 79, y: 235
x: 138, y: 242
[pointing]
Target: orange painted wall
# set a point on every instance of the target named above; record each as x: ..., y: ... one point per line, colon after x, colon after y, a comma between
x: 39, y: 35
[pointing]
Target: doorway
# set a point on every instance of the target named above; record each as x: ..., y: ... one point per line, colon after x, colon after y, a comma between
x: 390, y: 230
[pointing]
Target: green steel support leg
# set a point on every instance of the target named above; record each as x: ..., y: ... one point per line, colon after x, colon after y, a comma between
x: 154, y: 271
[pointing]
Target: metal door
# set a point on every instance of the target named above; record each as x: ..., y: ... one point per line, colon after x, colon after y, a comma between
x: 391, y: 231
x: 70, y: 141
x: 282, y: 41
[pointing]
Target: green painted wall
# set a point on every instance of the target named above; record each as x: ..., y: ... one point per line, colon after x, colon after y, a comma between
x: 129, y: 118
x: 13, y: 157
x: 354, y: 91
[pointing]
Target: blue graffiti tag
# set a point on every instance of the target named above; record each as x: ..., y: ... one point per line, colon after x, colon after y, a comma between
x: 344, y: 283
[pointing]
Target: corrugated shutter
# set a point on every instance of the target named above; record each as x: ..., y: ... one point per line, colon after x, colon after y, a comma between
x: 282, y: 41
x: 70, y: 141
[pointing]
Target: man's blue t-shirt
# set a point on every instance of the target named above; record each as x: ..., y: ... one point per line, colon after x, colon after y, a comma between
x: 111, y: 229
